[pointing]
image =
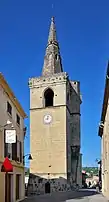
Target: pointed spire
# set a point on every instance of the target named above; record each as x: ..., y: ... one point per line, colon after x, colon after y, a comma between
x: 52, y: 32
x: 52, y: 60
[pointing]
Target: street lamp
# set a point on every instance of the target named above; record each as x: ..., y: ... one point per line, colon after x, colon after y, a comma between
x: 29, y: 157
x: 7, y: 124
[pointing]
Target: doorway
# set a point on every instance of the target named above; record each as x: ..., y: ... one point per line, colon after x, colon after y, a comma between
x: 8, y: 187
x: 47, y: 187
x: 18, y: 186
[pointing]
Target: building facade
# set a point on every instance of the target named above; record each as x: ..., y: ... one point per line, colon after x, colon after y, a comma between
x: 54, y: 124
x: 11, y: 188
x: 104, y: 134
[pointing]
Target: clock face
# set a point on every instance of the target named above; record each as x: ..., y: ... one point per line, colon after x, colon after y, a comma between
x: 47, y: 119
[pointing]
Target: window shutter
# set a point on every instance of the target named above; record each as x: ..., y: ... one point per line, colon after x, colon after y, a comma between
x: 5, y: 146
x: 14, y: 150
x: 20, y: 151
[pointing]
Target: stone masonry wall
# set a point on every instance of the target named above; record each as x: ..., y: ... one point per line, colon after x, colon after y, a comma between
x: 37, y: 185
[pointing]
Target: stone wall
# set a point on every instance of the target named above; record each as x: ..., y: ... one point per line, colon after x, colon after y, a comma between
x: 37, y: 185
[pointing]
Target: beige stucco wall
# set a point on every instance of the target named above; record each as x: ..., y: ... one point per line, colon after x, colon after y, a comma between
x: 4, y: 116
x: 105, y: 155
x: 2, y: 185
x: 18, y: 168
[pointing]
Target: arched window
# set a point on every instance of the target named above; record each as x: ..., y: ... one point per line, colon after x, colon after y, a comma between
x: 48, y: 96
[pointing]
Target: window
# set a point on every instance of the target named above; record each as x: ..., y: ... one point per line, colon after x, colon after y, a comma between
x: 7, y: 148
x: 14, y: 150
x: 9, y: 108
x: 20, y: 152
x: 18, y: 119
x: 48, y: 97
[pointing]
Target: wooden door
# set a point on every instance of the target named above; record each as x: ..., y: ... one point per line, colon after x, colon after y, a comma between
x: 8, y: 187
x: 17, y: 186
x: 47, y: 187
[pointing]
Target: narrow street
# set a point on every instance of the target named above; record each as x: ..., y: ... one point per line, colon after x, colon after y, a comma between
x: 80, y: 196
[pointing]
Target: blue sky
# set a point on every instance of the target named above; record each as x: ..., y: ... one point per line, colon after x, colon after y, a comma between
x: 83, y: 34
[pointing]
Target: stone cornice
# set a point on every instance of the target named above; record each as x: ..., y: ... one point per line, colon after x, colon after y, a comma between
x: 41, y: 81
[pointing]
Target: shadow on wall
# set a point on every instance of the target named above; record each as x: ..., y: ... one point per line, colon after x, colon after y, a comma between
x: 38, y: 185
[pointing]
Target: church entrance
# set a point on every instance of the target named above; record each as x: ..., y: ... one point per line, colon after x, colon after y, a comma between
x: 47, y: 187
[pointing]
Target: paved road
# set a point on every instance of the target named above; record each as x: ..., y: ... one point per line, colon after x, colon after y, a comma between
x: 80, y: 196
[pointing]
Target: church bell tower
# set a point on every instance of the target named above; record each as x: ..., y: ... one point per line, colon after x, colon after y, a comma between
x: 54, y: 104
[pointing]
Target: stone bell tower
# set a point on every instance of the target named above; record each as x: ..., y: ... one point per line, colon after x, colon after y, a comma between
x: 54, y: 113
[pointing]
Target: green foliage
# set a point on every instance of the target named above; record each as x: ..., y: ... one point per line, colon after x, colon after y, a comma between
x: 91, y: 170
